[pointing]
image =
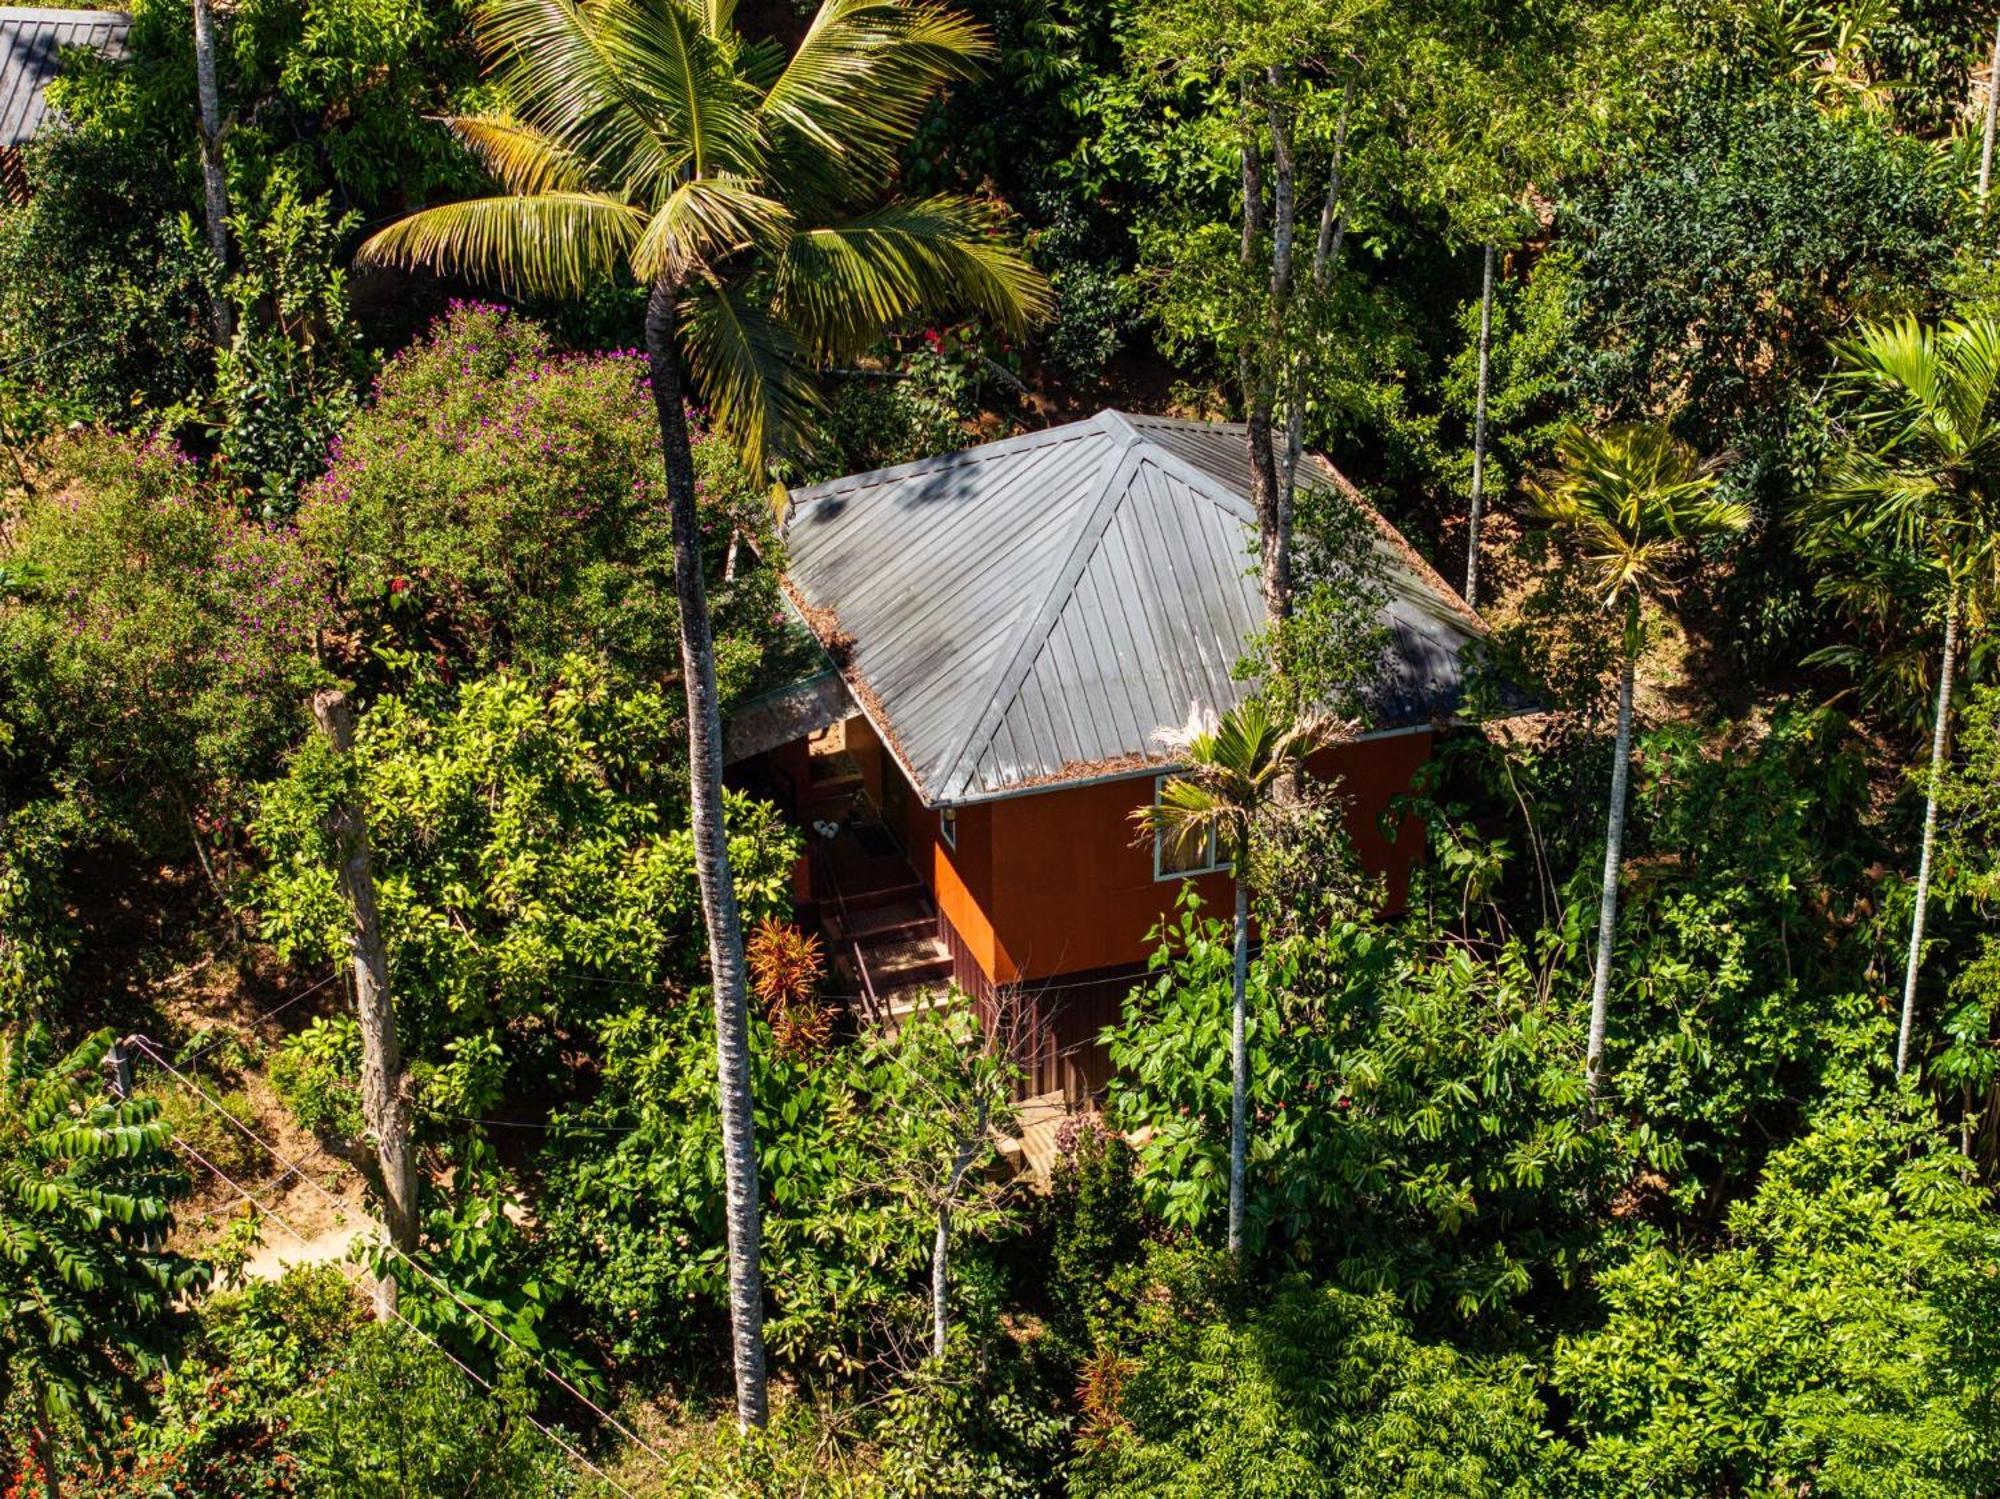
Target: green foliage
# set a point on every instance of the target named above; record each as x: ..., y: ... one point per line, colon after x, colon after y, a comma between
x: 87, y: 1188
x: 314, y: 1073
x: 1297, y: 1390
x: 396, y: 1418
x: 531, y: 869
x: 1416, y: 1113
x: 102, y: 300
x: 286, y: 383
x: 37, y: 939
x: 968, y: 1429
x: 1091, y: 1223
x: 633, y: 1206
x: 159, y: 648
x: 922, y: 405
x: 1843, y: 1335
x: 223, y: 1418
x: 500, y: 505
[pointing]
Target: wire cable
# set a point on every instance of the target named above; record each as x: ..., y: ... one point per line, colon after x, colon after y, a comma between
x: 602, y: 1414
x: 470, y: 1373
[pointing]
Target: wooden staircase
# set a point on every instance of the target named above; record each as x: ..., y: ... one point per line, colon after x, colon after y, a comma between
x: 888, y: 946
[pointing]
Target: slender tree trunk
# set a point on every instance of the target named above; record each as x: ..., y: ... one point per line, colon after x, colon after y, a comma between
x: 386, y: 1099
x: 718, y: 892
x: 1326, y: 255
x: 1614, y: 852
x: 1272, y: 487
x: 968, y: 1149
x: 1479, y: 432
x: 1939, y: 731
x: 43, y: 1439
x: 1992, y: 116
x: 1239, y: 1062
x: 215, y: 195
x: 1254, y: 375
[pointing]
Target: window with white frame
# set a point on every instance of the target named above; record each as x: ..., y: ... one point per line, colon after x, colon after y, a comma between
x: 1177, y: 858
x: 948, y: 826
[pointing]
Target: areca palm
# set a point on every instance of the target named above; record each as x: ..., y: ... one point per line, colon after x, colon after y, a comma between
x: 745, y: 190
x: 1919, y: 485
x: 86, y: 1187
x: 1632, y: 499
x: 1237, y: 773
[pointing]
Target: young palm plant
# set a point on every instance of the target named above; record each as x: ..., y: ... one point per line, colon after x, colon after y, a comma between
x: 1919, y: 485
x: 1238, y: 773
x: 1631, y: 499
x: 746, y: 191
x: 86, y: 1187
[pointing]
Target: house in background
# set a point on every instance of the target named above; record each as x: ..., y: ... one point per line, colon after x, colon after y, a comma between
x: 32, y: 40
x: 1012, y: 626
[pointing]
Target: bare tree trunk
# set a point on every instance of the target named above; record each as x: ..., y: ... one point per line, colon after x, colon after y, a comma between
x: 718, y: 892
x: 1614, y: 851
x: 43, y: 1439
x: 941, y: 1246
x: 1940, y: 729
x: 1479, y: 433
x: 215, y: 195
x: 1272, y: 488
x: 1326, y: 255
x: 1239, y: 1061
x: 386, y: 1099
x: 1992, y: 115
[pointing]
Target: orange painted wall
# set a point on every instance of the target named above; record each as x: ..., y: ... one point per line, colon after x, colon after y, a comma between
x: 1053, y: 882
x: 1072, y: 891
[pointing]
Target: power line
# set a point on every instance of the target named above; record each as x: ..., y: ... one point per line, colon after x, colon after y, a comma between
x: 466, y: 1369
x: 340, y: 1202
x: 259, y: 1019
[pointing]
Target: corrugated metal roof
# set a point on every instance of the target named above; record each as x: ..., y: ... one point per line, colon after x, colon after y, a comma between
x: 31, y: 43
x: 1032, y: 611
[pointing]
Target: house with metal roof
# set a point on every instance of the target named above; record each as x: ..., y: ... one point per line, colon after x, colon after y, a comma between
x: 32, y: 42
x: 1008, y: 629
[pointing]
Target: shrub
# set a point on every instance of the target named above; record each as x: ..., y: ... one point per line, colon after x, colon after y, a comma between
x: 216, y: 1129
x: 1297, y: 1390
x: 1091, y: 1224
x: 500, y: 504
x: 317, y: 1073
x: 158, y: 649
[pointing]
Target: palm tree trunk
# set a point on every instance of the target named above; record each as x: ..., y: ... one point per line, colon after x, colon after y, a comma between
x: 718, y: 893
x: 1992, y: 116
x: 1479, y: 433
x: 1607, y: 903
x: 215, y: 195
x: 1939, y: 729
x: 1239, y: 1062
x: 386, y: 1100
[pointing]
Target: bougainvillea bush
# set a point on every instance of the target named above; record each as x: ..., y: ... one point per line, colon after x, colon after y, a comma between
x: 157, y: 647
x: 500, y: 503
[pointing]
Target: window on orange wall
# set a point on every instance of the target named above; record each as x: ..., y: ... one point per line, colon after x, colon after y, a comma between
x: 948, y: 826
x: 1177, y: 858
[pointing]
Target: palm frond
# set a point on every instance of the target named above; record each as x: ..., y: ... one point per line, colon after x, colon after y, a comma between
x: 564, y: 76
x: 686, y: 74
x: 704, y: 221
x: 1631, y: 499
x: 853, y: 93
x: 553, y: 243
x: 520, y: 158
x: 844, y: 285
x: 746, y: 366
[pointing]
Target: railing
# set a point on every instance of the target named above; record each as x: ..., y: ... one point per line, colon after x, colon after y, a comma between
x: 871, y: 1005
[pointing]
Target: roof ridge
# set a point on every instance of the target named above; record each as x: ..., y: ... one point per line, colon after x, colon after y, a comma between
x: 1020, y: 442
x: 1034, y: 634
x: 1135, y: 449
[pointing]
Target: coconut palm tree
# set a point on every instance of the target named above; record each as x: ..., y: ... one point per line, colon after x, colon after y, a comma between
x: 1631, y: 499
x: 1237, y: 775
x: 1920, y: 481
x: 748, y: 192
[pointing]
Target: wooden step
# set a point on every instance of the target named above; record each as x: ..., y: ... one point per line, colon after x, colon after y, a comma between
x: 911, y: 959
x: 903, y: 918
x: 888, y: 895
